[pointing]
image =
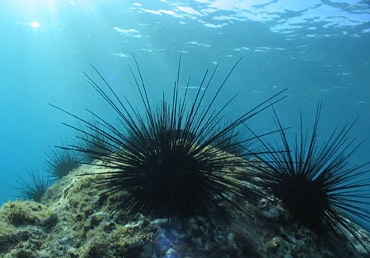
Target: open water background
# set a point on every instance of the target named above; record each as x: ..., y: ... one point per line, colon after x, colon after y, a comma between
x: 318, y: 49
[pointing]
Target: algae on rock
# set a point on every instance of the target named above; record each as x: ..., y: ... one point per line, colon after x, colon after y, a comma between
x: 74, y: 221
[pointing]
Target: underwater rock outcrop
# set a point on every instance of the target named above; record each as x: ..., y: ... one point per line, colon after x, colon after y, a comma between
x: 73, y: 220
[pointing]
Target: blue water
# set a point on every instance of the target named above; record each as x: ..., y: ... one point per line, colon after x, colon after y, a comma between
x: 318, y: 49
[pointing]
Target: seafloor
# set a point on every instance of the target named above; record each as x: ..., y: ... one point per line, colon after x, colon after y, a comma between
x: 73, y: 220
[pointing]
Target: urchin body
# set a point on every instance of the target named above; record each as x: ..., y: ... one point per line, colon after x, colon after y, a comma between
x: 316, y: 184
x: 60, y: 162
x: 306, y: 199
x: 169, y: 173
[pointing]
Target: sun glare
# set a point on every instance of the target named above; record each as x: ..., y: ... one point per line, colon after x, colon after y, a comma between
x: 34, y: 24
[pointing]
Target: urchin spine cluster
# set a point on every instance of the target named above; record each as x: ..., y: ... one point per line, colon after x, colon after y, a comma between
x: 173, y: 159
x: 34, y: 187
x: 59, y: 162
x: 316, y: 185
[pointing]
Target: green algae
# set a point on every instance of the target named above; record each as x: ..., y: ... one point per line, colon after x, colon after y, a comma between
x: 74, y: 221
x: 28, y: 213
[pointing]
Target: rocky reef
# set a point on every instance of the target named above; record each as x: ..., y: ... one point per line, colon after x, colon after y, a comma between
x: 74, y: 220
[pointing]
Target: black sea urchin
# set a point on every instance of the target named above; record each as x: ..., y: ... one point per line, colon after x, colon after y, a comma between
x: 59, y: 162
x: 172, y: 159
x: 33, y: 188
x: 317, y: 186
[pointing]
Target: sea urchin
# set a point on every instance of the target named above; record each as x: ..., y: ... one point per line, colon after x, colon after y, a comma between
x: 316, y: 185
x: 59, y: 162
x: 172, y: 159
x: 33, y: 188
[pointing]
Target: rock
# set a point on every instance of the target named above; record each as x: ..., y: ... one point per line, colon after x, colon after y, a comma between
x: 74, y: 221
